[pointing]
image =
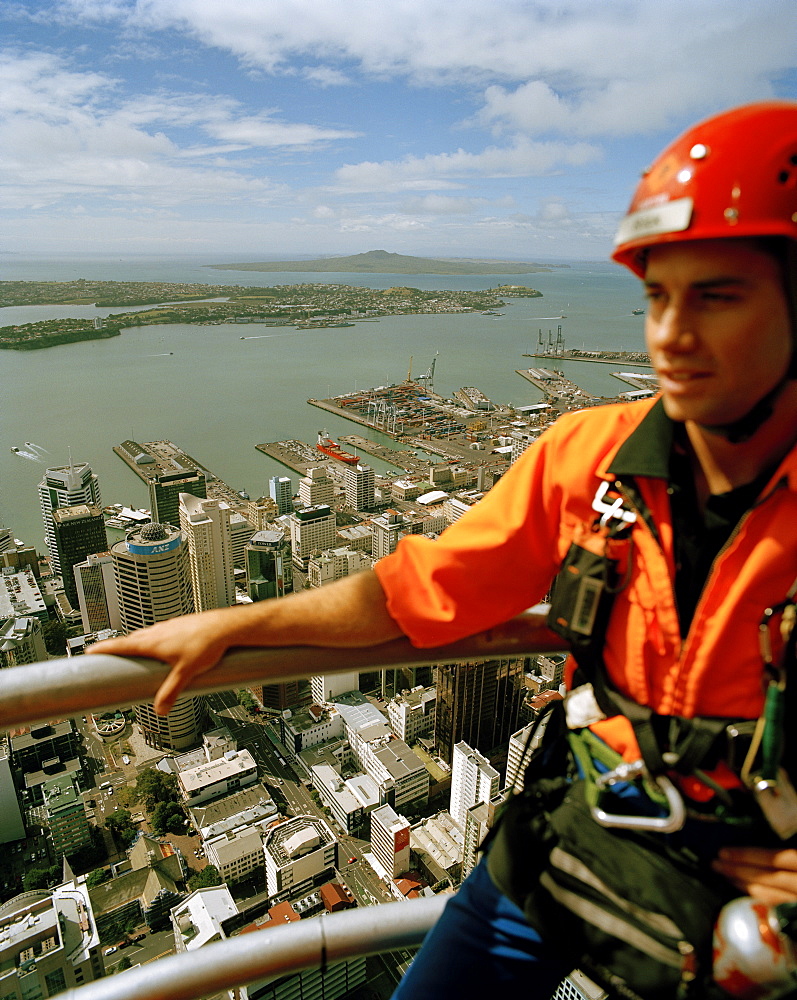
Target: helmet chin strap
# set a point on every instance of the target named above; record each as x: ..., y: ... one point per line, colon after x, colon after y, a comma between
x: 746, y: 426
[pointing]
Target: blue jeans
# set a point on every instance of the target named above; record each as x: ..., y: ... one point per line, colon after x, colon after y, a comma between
x: 482, y: 946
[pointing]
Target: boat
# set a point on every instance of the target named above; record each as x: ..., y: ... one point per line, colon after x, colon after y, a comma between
x: 331, y: 448
x: 637, y: 312
x: 15, y: 450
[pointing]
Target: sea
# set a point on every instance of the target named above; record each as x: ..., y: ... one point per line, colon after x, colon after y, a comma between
x: 217, y: 396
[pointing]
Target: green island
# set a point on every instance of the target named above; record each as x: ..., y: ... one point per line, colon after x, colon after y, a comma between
x: 314, y: 304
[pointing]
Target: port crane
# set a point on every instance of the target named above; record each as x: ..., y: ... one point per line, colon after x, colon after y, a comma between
x: 428, y: 378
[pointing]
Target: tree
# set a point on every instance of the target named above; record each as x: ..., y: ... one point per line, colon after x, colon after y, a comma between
x: 40, y: 878
x: 121, y: 826
x: 97, y: 877
x: 207, y: 877
x: 168, y: 817
x: 153, y: 786
x: 246, y: 699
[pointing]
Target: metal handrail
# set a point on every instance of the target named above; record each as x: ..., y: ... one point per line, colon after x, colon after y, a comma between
x: 69, y: 686
x: 271, y: 953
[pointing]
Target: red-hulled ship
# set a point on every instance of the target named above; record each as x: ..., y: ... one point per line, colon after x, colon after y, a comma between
x: 333, y: 449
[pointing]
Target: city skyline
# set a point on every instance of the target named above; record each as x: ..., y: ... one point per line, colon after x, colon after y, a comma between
x: 322, y: 128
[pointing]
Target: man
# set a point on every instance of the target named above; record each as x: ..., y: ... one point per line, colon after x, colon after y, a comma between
x: 686, y: 506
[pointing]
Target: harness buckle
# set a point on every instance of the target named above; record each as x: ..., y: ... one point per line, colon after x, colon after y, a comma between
x: 628, y: 771
x: 612, y: 510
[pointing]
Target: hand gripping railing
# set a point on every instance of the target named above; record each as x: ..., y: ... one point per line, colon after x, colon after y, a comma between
x: 62, y: 688
x: 65, y: 687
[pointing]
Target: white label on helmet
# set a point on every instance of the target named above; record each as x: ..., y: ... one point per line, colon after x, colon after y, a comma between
x: 671, y: 217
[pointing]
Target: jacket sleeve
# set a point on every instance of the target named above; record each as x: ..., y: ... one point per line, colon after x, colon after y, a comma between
x: 497, y: 560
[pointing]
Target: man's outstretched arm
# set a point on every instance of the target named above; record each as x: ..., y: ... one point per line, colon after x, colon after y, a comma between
x: 351, y: 612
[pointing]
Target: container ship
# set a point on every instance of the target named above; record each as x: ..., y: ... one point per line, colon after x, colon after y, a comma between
x: 333, y: 449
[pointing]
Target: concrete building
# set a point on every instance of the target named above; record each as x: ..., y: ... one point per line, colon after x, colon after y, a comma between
x: 386, y: 529
x: 326, y: 687
x: 473, y: 779
x: 298, y: 853
x: 197, y: 919
x: 522, y: 440
x: 356, y: 536
x: 360, y: 487
x: 65, y: 815
x: 216, y: 778
x: 165, y: 490
x: 309, y: 727
x: 21, y: 641
x: 153, y: 579
x: 66, y: 486
x: 412, y: 713
x: 20, y: 595
x: 333, y: 564
x: 20, y: 557
x: 479, y: 820
x: 316, y: 488
x: 390, y: 840
x: 78, y: 532
x: 241, y: 531
x: 261, y: 513
x: 95, y: 582
x: 437, y: 845
x: 280, y: 490
x: 269, y: 568
x: 235, y: 845
x: 312, y: 530
x: 12, y: 825
x: 205, y: 525
x: 49, y: 942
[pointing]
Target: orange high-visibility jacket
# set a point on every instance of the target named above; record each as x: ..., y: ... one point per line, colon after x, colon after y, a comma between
x: 502, y: 555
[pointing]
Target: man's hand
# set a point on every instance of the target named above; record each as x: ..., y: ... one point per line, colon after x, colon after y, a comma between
x: 766, y: 874
x: 191, y: 645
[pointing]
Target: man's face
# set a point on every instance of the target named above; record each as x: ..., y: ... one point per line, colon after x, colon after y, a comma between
x: 717, y: 327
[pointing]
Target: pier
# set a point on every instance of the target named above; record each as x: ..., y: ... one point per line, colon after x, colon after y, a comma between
x: 168, y: 458
x: 597, y: 357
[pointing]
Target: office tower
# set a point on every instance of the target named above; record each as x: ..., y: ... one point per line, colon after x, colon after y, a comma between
x: 49, y: 942
x: 21, y: 641
x: 390, y: 840
x: 262, y: 513
x: 241, y: 530
x: 65, y: 486
x: 6, y: 539
x: 65, y: 815
x: 473, y: 780
x: 280, y: 490
x: 153, y: 582
x: 165, y: 490
x: 478, y: 703
x: 326, y: 687
x: 316, y: 487
x: 269, y: 571
x: 95, y: 582
x: 360, y: 494
x: 312, y: 530
x: 386, y: 530
x: 79, y: 531
x: 479, y: 820
x: 205, y: 525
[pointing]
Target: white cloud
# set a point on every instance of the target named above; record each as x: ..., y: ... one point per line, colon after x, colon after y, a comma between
x: 522, y: 158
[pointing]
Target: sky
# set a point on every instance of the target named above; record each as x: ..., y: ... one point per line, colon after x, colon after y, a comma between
x: 508, y: 129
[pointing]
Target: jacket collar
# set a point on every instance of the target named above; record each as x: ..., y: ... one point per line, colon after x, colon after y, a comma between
x: 646, y: 451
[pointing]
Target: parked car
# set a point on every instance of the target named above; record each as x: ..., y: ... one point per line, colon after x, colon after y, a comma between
x: 110, y: 951
x: 138, y: 937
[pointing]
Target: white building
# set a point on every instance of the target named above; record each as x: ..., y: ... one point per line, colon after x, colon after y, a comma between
x: 473, y: 780
x: 412, y: 713
x: 21, y: 641
x: 312, y: 530
x: 327, y: 687
x: 297, y: 853
x: 197, y: 920
x: 331, y: 565
x: 65, y: 486
x: 316, y: 488
x: 235, y: 845
x: 212, y: 779
x: 360, y: 487
x: 98, y: 600
x: 205, y: 525
x: 390, y: 840
x: 311, y: 726
x: 49, y: 942
x: 20, y: 595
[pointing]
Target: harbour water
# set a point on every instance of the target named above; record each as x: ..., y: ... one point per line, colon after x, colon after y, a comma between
x: 218, y: 396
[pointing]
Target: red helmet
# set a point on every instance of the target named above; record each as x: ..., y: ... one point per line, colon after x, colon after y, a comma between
x: 733, y: 175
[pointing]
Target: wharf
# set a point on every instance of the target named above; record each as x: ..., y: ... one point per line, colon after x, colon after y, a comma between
x: 639, y: 358
x: 555, y: 385
x: 401, y: 459
x: 168, y: 458
x: 296, y: 455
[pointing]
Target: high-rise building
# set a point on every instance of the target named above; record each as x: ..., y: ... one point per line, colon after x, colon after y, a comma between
x: 205, y: 525
x: 390, y: 840
x: 21, y: 641
x: 165, y: 490
x: 478, y: 703
x: 280, y: 490
x: 473, y: 780
x: 153, y: 580
x: 316, y: 487
x: 6, y: 539
x: 95, y: 582
x: 360, y: 492
x: 269, y: 569
x: 65, y: 815
x: 49, y: 942
x: 241, y: 530
x: 79, y: 531
x: 312, y: 530
x: 386, y: 530
x: 65, y: 486
x: 326, y: 687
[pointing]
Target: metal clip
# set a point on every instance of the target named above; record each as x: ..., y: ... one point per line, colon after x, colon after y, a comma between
x: 661, y: 824
x: 610, y: 510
